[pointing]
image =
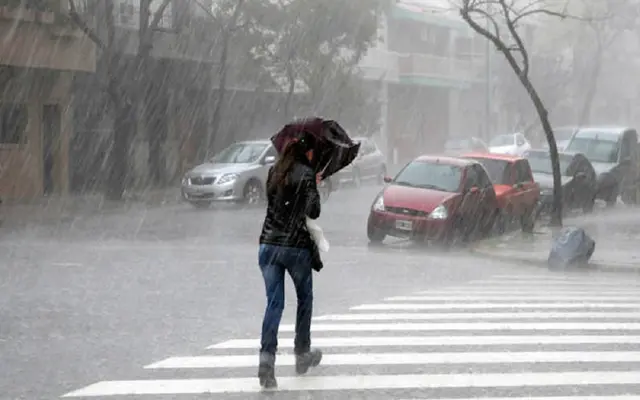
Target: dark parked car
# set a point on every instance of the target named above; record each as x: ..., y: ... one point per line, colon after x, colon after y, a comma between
x: 612, y: 152
x: 579, y: 180
x: 435, y: 198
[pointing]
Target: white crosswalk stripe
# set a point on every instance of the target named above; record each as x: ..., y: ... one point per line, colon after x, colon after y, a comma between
x: 524, y: 336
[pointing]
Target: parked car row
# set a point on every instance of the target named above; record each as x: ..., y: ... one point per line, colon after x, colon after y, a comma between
x: 444, y: 199
x: 239, y: 173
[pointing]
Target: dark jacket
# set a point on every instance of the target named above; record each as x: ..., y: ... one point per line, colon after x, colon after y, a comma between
x: 287, y: 209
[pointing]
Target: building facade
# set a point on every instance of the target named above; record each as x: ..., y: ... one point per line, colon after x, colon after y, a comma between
x: 40, y: 52
x: 431, y: 69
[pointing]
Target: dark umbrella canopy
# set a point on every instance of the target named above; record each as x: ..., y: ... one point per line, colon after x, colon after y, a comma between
x: 334, y: 148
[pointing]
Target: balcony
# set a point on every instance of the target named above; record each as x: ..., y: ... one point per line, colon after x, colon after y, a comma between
x: 38, y: 34
x: 411, y: 66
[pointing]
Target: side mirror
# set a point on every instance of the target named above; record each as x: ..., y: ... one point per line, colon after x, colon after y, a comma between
x: 269, y: 159
x: 387, y: 179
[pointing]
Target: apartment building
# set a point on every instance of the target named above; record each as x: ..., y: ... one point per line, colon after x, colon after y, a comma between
x: 40, y: 52
x: 431, y: 70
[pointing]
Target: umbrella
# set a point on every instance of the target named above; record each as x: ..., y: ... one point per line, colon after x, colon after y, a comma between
x: 334, y: 148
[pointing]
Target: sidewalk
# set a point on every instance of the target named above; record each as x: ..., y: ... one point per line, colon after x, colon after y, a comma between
x: 56, y: 209
x: 616, y: 250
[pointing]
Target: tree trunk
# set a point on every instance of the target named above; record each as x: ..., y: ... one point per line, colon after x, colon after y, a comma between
x: 222, y: 76
x: 292, y: 86
x: 556, y: 214
x: 222, y: 88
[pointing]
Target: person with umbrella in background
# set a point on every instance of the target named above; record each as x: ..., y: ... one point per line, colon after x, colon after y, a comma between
x: 285, y: 242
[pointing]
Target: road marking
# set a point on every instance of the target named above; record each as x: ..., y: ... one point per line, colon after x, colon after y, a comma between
x: 529, y: 291
x: 523, y: 296
x: 415, y: 341
x: 614, y: 397
x: 472, y: 326
x: 356, y: 382
x: 527, y: 282
x: 406, y: 359
x: 477, y: 316
x: 462, y: 306
x: 66, y: 264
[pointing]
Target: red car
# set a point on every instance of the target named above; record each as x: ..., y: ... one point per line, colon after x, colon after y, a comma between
x: 515, y: 188
x: 435, y: 198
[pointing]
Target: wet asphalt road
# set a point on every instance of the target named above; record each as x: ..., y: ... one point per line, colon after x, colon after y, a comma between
x: 98, y: 298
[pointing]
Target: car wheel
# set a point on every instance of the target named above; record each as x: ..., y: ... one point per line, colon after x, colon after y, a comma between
x: 381, y: 175
x: 375, y: 235
x: 488, y: 222
x: 588, y: 207
x: 356, y: 178
x: 527, y: 221
x: 612, y: 197
x: 253, y: 193
x: 503, y: 222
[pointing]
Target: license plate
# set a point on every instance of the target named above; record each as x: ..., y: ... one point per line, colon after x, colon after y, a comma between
x: 404, y: 225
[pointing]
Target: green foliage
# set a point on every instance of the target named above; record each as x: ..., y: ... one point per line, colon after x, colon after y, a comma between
x: 318, y: 43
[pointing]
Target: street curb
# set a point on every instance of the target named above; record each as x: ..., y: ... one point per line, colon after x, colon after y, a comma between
x: 621, y: 268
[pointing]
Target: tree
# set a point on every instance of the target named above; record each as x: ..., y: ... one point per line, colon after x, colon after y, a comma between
x: 126, y: 100
x: 319, y: 43
x: 491, y: 18
x: 605, y: 23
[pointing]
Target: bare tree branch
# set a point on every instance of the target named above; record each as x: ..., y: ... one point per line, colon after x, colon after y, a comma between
x: 157, y: 16
x: 81, y: 23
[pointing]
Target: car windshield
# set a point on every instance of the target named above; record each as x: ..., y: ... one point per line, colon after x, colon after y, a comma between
x: 498, y: 170
x: 239, y: 153
x: 563, y: 133
x: 430, y: 175
x: 502, y: 140
x: 541, y: 163
x: 596, y: 149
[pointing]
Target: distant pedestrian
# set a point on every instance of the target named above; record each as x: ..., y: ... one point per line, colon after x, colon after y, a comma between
x: 287, y: 245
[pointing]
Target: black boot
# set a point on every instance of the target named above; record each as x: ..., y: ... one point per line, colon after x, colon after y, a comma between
x: 266, y: 371
x: 306, y: 360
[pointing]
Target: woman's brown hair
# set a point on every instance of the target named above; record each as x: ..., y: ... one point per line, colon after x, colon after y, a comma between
x: 293, y: 152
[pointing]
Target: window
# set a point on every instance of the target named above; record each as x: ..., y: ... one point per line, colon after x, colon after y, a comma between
x: 522, y: 172
x: 430, y: 175
x: 596, y: 149
x: 483, y: 179
x: 498, y: 170
x: 540, y: 162
x: 128, y: 13
x: 471, y: 178
x: 271, y: 152
x: 240, y: 153
x: 13, y: 123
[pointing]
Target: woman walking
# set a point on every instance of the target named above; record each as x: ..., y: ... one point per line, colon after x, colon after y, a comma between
x: 286, y: 245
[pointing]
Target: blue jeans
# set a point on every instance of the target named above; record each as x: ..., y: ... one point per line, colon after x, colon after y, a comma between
x: 274, y: 261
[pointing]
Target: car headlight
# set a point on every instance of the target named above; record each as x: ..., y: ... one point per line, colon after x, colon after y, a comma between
x: 226, y: 178
x: 439, y: 212
x: 378, y: 205
x: 185, y: 180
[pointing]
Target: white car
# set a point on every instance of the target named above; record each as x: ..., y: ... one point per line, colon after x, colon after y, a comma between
x: 514, y: 144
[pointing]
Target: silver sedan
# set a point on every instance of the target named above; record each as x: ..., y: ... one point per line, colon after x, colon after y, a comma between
x: 236, y: 174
